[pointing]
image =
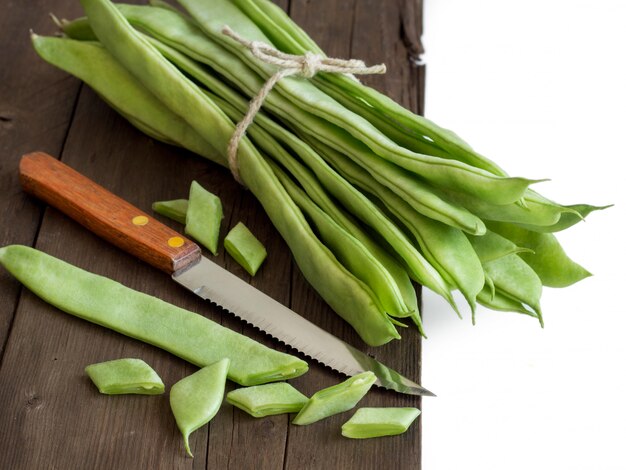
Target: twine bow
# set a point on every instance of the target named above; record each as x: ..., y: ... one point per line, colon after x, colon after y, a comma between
x: 306, y: 66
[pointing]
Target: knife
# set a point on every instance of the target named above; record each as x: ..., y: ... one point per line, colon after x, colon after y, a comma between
x: 139, y: 234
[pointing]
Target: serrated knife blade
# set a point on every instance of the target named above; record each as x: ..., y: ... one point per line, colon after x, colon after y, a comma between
x: 136, y: 232
x: 212, y: 282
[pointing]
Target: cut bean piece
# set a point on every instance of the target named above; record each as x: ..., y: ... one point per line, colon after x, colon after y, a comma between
x: 377, y: 422
x: 196, y: 399
x: 187, y: 335
x: 245, y: 248
x: 127, y: 375
x: 175, y: 209
x: 204, y: 216
x: 336, y: 399
x: 266, y: 400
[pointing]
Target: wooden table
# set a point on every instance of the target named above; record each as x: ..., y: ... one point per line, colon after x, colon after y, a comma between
x: 51, y: 416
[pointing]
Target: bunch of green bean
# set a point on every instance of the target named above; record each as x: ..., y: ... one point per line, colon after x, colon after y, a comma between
x: 369, y: 196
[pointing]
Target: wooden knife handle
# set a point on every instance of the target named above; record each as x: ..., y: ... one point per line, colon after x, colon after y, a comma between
x: 105, y: 214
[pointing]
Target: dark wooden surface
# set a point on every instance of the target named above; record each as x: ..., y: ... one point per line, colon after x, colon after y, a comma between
x: 51, y: 416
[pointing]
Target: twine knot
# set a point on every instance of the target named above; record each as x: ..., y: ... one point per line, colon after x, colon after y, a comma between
x: 306, y: 66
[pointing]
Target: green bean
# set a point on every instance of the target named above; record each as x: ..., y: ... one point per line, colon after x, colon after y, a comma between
x: 567, y: 219
x: 204, y: 216
x: 377, y: 422
x: 95, y: 66
x: 547, y: 258
x: 190, y: 336
x: 267, y: 400
x: 175, y: 209
x: 245, y: 248
x: 497, y: 300
x: 126, y: 375
x: 183, y: 97
x: 492, y: 246
x: 196, y: 399
x: 516, y: 280
x: 336, y: 399
x: 350, y: 251
x: 449, y: 173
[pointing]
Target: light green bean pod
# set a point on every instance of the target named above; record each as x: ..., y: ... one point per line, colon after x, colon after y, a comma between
x: 514, y: 279
x: 376, y: 422
x: 203, y: 217
x: 196, y: 399
x: 187, y: 335
x: 245, y: 248
x: 492, y: 246
x: 267, y: 400
x: 336, y: 399
x: 95, y: 66
x: 568, y: 219
x: 126, y: 375
x: 547, y: 257
x: 494, y: 299
x: 350, y: 251
x: 175, y: 209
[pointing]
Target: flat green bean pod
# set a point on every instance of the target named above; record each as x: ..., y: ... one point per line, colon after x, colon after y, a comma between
x: 492, y: 246
x: 547, y: 257
x: 336, y: 399
x: 494, y: 299
x: 204, y: 216
x: 350, y: 251
x: 175, y: 209
x: 267, y: 400
x: 94, y: 65
x: 377, y: 422
x: 126, y: 375
x: 190, y: 336
x: 196, y: 399
x: 568, y: 219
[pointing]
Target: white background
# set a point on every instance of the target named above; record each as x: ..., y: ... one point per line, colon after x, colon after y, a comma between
x: 539, y: 87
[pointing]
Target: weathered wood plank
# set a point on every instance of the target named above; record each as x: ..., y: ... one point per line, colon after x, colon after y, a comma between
x: 36, y: 104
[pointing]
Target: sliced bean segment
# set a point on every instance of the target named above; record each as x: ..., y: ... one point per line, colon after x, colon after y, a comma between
x: 126, y: 375
x: 245, y: 248
x: 266, y: 400
x: 175, y: 209
x: 204, y: 216
x: 196, y: 399
x: 376, y: 422
x: 336, y: 399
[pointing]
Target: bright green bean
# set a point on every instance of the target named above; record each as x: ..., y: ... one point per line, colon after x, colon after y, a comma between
x: 547, y: 258
x: 267, y: 400
x: 492, y: 246
x: 175, y: 209
x: 95, y: 66
x: 377, y: 422
x: 126, y: 375
x: 190, y: 336
x: 245, y: 248
x: 204, y: 216
x: 196, y: 399
x: 336, y: 399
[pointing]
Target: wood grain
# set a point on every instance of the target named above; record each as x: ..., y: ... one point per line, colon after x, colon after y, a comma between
x: 52, y: 416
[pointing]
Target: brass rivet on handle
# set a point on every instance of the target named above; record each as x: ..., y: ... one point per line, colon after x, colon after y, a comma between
x: 176, y: 242
x: 140, y: 220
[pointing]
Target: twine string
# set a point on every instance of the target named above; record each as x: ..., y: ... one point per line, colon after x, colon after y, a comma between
x: 307, y: 66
